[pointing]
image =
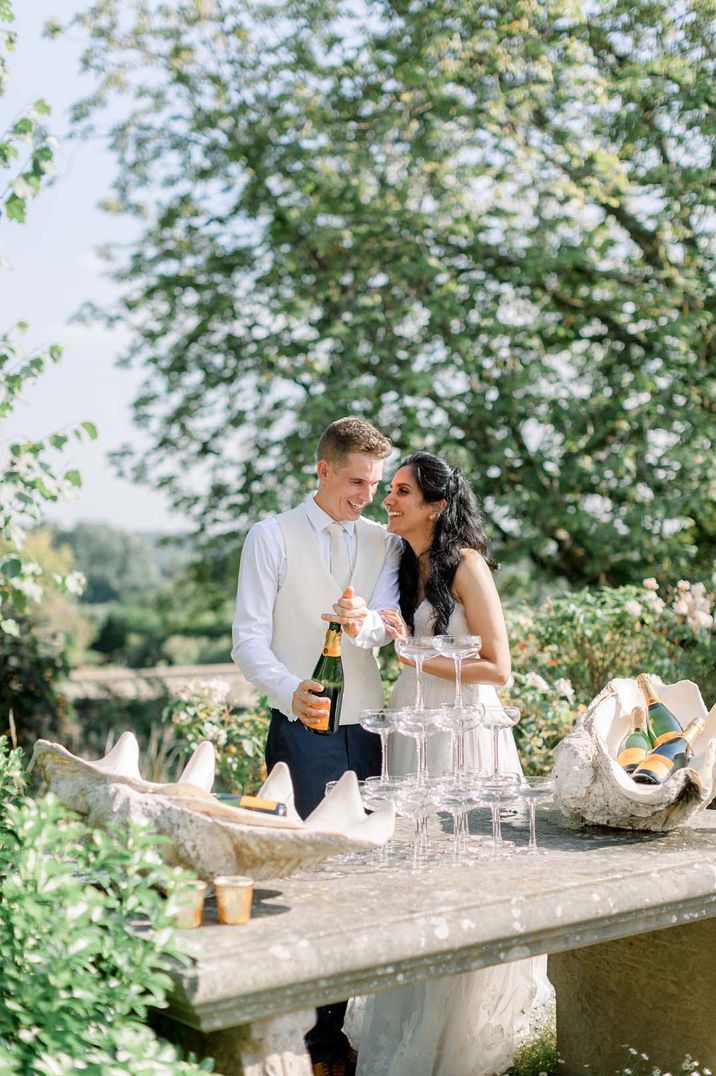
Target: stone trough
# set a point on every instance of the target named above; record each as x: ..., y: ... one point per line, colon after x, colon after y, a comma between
x: 593, y: 789
x: 211, y: 837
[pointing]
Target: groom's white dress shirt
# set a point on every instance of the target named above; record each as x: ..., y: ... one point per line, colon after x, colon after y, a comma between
x: 262, y: 573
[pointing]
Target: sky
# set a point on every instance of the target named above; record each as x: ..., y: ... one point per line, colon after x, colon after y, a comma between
x: 54, y: 269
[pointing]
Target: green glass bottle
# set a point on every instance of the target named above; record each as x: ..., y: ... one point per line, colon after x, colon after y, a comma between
x: 661, y: 718
x: 329, y: 672
x: 636, y: 745
x: 672, y: 754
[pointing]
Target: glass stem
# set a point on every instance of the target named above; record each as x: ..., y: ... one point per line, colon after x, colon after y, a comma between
x: 384, y: 755
x: 495, y: 752
x: 419, y: 659
x: 460, y: 751
x: 416, y: 842
x: 532, y: 807
x: 458, y: 681
x: 496, y: 827
x: 422, y: 757
x: 455, y: 837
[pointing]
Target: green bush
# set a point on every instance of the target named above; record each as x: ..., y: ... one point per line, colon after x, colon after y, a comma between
x: 30, y: 667
x: 85, y: 934
x: 201, y: 712
x: 566, y: 651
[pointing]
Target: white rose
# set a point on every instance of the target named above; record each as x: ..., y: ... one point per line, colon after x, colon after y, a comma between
x: 633, y: 608
x: 681, y: 608
x: 75, y: 582
x: 703, y: 620
x: 650, y: 584
x: 683, y: 585
x: 533, y: 679
x: 564, y: 688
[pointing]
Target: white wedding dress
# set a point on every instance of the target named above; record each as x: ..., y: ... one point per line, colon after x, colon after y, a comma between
x: 461, y: 1025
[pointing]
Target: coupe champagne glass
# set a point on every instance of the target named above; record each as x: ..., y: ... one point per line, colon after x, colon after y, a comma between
x: 454, y: 797
x: 533, y: 790
x: 414, y: 801
x: 381, y: 722
x: 493, y: 795
x: 457, y: 721
x: 498, y: 718
x: 418, y: 724
x: 458, y: 647
x: 417, y: 648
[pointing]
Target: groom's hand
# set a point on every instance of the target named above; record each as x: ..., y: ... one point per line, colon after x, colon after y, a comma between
x: 309, y: 709
x: 350, y: 611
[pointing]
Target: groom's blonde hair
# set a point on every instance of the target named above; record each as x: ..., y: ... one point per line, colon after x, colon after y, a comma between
x: 350, y: 434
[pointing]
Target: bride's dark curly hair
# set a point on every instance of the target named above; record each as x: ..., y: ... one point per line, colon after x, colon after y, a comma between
x: 459, y: 526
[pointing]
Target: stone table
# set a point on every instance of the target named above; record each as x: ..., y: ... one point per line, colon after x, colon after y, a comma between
x: 625, y: 918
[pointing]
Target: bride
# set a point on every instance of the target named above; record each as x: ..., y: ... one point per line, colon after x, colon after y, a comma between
x: 471, y: 1024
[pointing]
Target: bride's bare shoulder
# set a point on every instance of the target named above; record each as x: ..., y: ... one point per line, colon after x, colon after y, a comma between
x: 473, y: 562
x: 473, y: 574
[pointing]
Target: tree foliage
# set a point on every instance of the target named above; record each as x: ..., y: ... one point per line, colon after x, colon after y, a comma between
x: 489, y: 228
x: 29, y: 477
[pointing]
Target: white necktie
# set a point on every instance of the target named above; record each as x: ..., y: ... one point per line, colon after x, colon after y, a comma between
x: 340, y: 566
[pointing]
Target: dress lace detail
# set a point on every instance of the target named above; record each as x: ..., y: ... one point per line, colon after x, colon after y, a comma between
x: 460, y: 1025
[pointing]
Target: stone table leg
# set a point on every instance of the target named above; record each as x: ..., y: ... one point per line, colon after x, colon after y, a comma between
x: 270, y: 1047
x: 654, y: 992
x: 275, y: 1047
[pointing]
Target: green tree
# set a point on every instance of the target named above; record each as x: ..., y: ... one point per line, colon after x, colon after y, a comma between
x: 117, y: 565
x: 487, y: 227
x: 29, y: 478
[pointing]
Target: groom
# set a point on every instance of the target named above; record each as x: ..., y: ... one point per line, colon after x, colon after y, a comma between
x: 294, y: 567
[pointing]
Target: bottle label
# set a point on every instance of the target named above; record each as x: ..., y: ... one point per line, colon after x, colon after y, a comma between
x: 322, y: 725
x: 332, y: 645
x: 631, y: 756
x: 666, y: 737
x: 657, y: 765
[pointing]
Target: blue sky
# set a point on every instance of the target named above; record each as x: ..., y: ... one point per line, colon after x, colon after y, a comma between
x: 54, y: 270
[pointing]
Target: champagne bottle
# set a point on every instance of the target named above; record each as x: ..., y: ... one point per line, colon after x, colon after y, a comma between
x: 660, y: 716
x: 252, y: 803
x: 329, y: 672
x: 672, y: 754
x: 636, y: 745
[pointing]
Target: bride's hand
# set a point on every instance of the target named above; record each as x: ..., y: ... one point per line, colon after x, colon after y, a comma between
x: 394, y: 623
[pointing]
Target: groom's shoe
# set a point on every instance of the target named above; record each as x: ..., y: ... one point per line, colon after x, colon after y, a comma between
x: 330, y: 1068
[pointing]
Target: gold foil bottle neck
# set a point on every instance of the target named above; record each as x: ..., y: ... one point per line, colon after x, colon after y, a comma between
x: 637, y: 719
x: 647, y: 688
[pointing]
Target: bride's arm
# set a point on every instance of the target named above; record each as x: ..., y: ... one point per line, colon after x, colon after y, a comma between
x: 475, y: 589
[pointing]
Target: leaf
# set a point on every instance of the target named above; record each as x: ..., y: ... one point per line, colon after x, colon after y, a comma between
x: 90, y: 429
x: 15, y: 208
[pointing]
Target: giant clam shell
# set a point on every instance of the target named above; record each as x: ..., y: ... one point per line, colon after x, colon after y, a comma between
x: 592, y: 788
x: 204, y: 834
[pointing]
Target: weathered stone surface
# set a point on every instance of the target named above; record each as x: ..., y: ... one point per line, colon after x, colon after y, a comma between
x: 211, y: 837
x: 592, y: 787
x: 338, y: 932
x: 653, y: 993
x: 271, y: 1047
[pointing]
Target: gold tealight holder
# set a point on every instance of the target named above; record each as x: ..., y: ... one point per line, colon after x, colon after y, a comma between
x: 233, y: 898
x: 189, y: 898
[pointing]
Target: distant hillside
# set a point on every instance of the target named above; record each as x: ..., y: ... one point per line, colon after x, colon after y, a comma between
x: 122, y: 565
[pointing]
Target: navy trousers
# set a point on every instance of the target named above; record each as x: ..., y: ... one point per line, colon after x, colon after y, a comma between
x: 316, y: 760
x: 313, y: 762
